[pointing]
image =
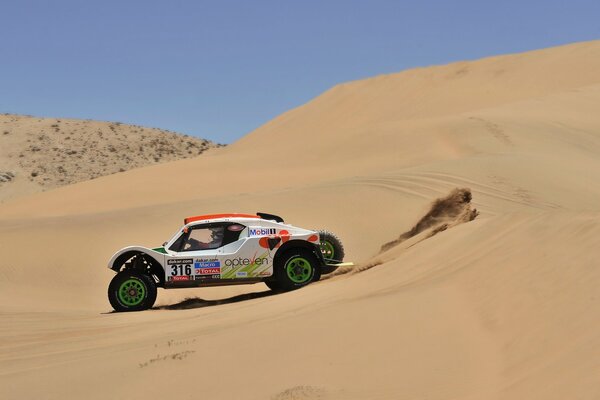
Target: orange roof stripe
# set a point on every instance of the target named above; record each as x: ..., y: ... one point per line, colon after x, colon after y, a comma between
x: 215, y: 216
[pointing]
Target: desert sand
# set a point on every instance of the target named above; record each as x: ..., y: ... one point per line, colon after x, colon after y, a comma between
x: 504, y: 306
x: 38, y: 154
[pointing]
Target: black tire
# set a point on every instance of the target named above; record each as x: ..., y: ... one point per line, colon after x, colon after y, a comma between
x: 332, y: 248
x: 294, y: 269
x: 273, y: 285
x: 138, y: 291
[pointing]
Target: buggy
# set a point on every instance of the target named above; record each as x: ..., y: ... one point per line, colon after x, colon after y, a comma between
x: 223, y: 249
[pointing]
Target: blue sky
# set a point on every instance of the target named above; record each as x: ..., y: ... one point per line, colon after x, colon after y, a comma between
x: 220, y: 69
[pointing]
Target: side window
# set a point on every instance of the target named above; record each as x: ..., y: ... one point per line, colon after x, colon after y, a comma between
x: 207, y: 237
x: 204, y: 238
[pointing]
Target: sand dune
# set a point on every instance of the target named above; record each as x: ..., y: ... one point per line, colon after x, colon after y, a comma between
x: 501, y: 306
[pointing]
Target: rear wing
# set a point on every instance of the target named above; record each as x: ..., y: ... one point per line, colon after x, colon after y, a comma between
x: 270, y: 217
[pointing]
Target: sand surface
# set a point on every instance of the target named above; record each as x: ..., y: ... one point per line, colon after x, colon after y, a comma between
x: 505, y: 306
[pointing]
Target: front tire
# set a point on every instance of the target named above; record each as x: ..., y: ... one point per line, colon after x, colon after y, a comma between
x: 131, y: 290
x: 295, y: 269
x: 273, y: 285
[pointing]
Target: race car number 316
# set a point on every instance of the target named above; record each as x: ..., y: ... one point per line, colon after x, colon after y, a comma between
x: 181, y: 267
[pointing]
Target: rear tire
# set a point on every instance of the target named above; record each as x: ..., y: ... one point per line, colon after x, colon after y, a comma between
x: 332, y: 249
x: 131, y: 290
x: 296, y: 268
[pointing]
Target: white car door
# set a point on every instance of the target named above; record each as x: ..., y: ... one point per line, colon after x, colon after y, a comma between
x: 246, y: 258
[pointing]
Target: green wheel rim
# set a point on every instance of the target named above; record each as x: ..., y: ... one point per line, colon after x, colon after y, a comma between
x: 132, y: 292
x: 328, y: 250
x: 299, y: 269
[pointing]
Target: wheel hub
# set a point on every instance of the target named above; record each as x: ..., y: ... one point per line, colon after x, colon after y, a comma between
x: 299, y: 270
x: 131, y: 292
x: 327, y: 249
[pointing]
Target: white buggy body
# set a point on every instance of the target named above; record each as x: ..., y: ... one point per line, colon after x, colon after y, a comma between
x: 223, y: 249
x: 247, y: 253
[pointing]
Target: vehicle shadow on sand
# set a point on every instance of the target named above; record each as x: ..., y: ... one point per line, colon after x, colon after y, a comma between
x: 197, y: 302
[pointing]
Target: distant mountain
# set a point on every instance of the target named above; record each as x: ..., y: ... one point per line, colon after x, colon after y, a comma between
x: 37, y: 154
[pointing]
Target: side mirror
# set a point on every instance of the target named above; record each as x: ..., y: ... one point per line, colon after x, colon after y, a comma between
x: 164, y: 244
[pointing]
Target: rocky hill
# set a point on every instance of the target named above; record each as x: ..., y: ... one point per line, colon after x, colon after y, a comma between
x: 42, y: 153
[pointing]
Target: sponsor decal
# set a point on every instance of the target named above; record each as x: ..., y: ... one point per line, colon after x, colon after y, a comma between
x: 208, y: 271
x: 250, y: 266
x: 283, y: 234
x: 207, y: 277
x: 181, y: 267
x: 207, y: 264
x: 261, y: 231
x: 236, y: 262
x: 180, y: 278
x: 180, y: 261
x: 241, y: 274
x: 264, y: 273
